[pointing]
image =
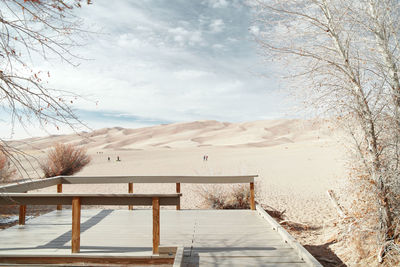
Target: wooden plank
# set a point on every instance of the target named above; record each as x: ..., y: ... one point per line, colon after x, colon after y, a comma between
x: 178, y: 190
x: 158, y: 179
x: 30, y: 185
x: 130, y: 190
x: 76, y: 225
x: 22, y: 214
x: 244, y: 252
x: 247, y: 261
x: 252, y: 201
x: 59, y: 190
x: 87, y: 259
x: 156, y: 224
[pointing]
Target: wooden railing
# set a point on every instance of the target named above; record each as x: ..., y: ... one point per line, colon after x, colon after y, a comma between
x: 17, y: 194
x: 130, y: 180
x: 77, y: 200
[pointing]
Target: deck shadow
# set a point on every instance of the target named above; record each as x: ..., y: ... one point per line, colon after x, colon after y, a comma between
x: 325, y: 255
x: 66, y: 237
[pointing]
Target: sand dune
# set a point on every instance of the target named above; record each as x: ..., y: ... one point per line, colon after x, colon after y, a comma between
x: 192, y: 134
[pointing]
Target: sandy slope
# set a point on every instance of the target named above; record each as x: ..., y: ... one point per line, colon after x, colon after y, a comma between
x: 296, y: 160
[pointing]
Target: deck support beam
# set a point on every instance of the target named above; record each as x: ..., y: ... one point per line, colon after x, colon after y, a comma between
x: 252, y: 201
x: 22, y: 214
x: 156, y: 225
x: 76, y: 225
x: 130, y: 191
x: 59, y: 190
x: 178, y: 190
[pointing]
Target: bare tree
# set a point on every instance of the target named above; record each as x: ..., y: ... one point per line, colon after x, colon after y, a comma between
x: 343, y: 56
x: 30, y: 30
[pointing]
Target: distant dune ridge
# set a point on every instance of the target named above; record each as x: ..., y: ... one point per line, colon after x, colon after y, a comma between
x: 192, y: 134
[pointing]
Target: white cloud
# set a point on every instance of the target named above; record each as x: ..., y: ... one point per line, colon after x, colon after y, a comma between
x: 190, y: 74
x: 129, y: 41
x: 218, y: 46
x: 217, y: 3
x: 217, y: 25
x: 183, y: 36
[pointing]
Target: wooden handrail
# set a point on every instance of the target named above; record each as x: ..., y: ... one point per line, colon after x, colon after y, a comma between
x: 158, y: 179
x: 87, y: 199
x: 43, y: 183
x: 30, y: 185
x: 60, y: 180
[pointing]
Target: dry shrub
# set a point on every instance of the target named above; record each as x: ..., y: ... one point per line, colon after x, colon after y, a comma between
x: 359, y: 230
x: 6, y: 170
x: 235, y: 197
x: 65, y: 160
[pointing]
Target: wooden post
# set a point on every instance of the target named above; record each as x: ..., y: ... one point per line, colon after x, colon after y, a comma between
x: 22, y: 214
x: 76, y: 225
x: 130, y: 190
x: 59, y: 190
x: 252, y: 202
x: 178, y: 190
x: 156, y: 224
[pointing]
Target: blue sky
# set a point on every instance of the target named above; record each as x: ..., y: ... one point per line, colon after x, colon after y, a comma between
x: 156, y: 61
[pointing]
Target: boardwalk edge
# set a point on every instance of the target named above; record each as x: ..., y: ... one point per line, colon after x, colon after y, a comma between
x: 178, y: 262
x: 301, y: 251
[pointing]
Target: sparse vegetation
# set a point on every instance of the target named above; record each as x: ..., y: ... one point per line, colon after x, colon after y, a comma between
x: 65, y: 160
x: 236, y: 197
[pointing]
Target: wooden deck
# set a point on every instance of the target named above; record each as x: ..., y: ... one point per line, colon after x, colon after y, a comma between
x: 209, y: 237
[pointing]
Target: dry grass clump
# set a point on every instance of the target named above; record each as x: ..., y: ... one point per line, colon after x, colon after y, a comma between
x: 235, y: 197
x: 65, y: 160
x: 6, y: 170
x: 230, y: 197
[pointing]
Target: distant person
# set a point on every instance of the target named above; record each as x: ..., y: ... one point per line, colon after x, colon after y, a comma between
x: 118, y: 158
x: 108, y: 158
x: 206, y: 157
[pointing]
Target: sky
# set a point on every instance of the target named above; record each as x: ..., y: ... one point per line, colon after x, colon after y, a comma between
x: 154, y: 62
